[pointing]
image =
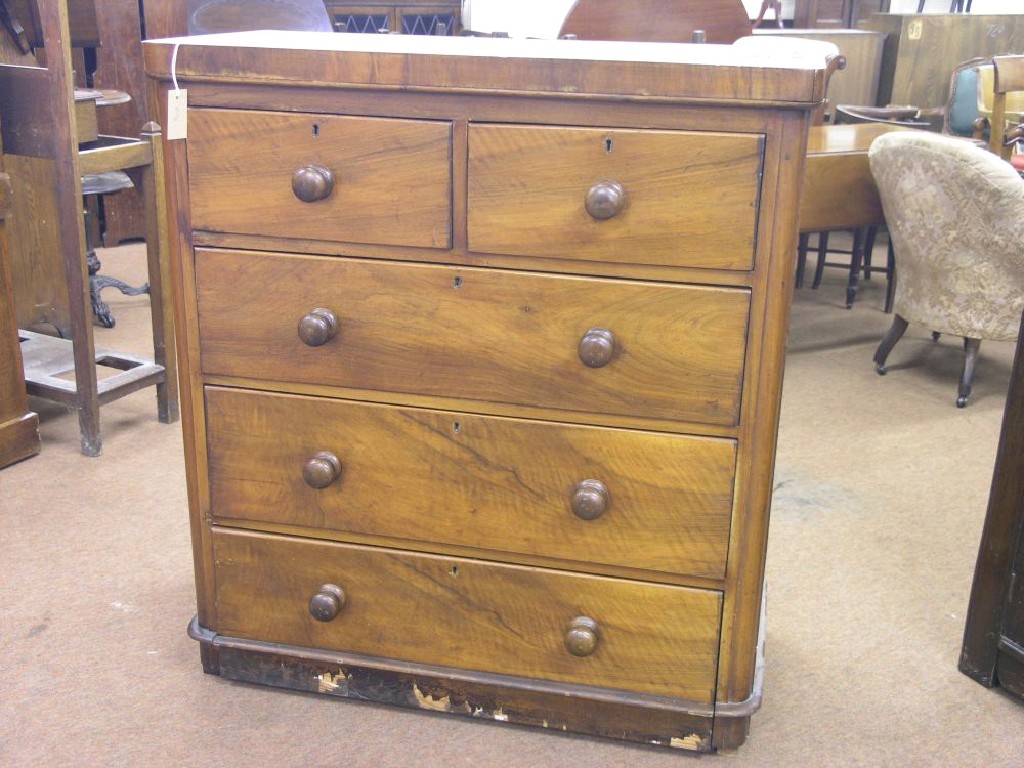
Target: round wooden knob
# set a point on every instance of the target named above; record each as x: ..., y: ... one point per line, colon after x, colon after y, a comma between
x: 605, y: 199
x: 590, y: 499
x: 597, y: 347
x: 582, y: 636
x: 317, y: 327
x: 321, y: 470
x: 312, y: 183
x: 327, y: 602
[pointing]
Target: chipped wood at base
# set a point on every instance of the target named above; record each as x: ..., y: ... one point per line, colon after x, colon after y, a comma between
x: 486, y: 697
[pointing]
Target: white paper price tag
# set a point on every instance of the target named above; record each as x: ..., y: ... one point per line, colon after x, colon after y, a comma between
x: 177, y: 114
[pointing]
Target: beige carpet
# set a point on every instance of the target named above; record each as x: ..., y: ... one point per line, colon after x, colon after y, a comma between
x: 881, y: 487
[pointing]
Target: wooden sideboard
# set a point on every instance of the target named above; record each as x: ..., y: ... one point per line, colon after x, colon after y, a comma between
x: 412, y: 17
x: 484, y: 342
x: 921, y: 50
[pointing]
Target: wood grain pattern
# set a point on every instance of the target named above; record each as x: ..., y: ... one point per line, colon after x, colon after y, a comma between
x: 504, y: 484
x: 430, y: 336
x: 487, y: 335
x: 654, y: 639
x: 837, y: 159
x: 921, y: 50
x: 392, y: 177
x: 723, y: 21
x: 703, y: 74
x: 692, y: 198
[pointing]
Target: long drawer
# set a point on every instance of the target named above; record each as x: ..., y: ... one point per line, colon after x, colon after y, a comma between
x: 680, y: 198
x: 585, y: 495
x: 349, y: 179
x: 452, y: 612
x: 612, y: 347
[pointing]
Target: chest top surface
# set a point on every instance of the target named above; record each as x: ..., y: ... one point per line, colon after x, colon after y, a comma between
x: 783, y: 72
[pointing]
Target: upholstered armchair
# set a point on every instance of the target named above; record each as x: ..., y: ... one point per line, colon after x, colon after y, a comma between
x: 955, y: 213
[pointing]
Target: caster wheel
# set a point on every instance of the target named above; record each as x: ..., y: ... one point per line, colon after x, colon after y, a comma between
x: 880, y: 369
x: 961, y: 402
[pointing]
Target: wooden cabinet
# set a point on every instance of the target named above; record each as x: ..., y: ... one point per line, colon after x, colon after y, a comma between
x: 19, y: 427
x: 921, y: 50
x: 993, y: 649
x: 427, y: 17
x: 835, y: 14
x: 485, y: 345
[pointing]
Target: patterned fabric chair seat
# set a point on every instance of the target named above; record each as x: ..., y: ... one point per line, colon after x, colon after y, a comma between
x: 955, y: 213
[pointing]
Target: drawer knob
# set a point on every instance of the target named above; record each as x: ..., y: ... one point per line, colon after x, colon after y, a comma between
x: 582, y: 637
x: 605, y: 199
x: 590, y: 499
x: 327, y: 602
x: 322, y: 470
x: 317, y: 327
x: 597, y: 347
x: 312, y: 183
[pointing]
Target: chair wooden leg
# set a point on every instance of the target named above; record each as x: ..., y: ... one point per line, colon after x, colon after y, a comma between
x: 890, y: 285
x: 801, y: 258
x: 819, y: 270
x: 856, y: 261
x: 971, y: 349
x: 894, y: 334
x: 870, y: 234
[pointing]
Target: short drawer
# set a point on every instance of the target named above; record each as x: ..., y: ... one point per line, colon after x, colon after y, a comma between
x: 469, y: 614
x: 642, y: 500
x: 674, y: 198
x: 347, y: 179
x: 653, y: 350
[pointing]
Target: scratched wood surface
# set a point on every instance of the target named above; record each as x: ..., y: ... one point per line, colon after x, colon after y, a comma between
x: 470, y: 614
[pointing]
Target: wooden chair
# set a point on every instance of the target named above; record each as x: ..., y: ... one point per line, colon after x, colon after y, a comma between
x: 38, y: 106
x: 1008, y: 77
x: 659, y: 21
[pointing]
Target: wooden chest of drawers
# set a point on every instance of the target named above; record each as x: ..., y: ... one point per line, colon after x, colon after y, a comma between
x: 483, y: 347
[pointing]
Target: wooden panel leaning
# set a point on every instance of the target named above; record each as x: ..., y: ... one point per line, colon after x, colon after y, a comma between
x: 489, y: 340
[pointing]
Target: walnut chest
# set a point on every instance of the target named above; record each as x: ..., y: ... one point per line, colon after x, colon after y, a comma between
x: 482, y: 347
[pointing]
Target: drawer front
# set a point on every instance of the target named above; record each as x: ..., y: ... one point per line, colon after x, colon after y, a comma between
x: 657, y: 350
x: 671, y: 197
x: 468, y: 614
x: 582, y: 494
x: 347, y: 179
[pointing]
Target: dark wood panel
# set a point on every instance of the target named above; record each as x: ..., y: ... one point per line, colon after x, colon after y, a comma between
x: 994, y: 630
x: 119, y: 67
x: 19, y: 427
